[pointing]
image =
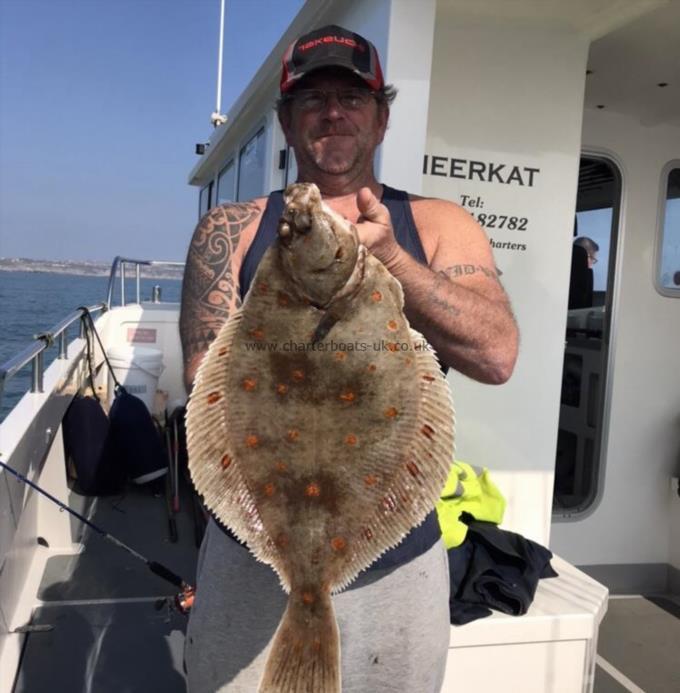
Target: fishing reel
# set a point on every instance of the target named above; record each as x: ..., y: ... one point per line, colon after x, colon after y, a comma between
x: 185, y: 599
x: 181, y: 602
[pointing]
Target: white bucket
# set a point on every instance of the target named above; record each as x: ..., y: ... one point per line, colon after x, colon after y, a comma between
x: 137, y: 370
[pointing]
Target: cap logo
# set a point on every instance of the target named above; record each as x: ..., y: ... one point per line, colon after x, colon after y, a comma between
x: 343, y: 41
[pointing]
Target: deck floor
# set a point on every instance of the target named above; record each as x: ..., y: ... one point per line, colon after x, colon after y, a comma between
x: 640, y: 644
x: 108, y: 632
x: 108, y: 635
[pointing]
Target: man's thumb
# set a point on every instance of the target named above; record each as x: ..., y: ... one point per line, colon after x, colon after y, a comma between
x: 370, y: 207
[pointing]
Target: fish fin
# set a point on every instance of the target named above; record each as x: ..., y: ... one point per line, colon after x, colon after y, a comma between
x: 305, y: 652
x: 426, y: 452
x: 213, y: 465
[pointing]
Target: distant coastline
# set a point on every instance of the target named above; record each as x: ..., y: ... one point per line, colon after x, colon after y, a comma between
x: 84, y: 268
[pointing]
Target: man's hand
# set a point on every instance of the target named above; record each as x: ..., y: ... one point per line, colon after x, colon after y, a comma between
x: 375, y: 229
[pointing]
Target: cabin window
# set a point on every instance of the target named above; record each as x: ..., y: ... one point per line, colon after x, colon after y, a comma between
x: 579, y: 466
x: 668, y: 264
x: 226, y: 183
x: 205, y: 199
x: 251, y: 168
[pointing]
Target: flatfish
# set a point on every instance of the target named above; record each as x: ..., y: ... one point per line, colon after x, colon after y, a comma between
x: 320, y: 428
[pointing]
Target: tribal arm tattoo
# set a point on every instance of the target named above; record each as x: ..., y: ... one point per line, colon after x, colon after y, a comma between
x: 210, y: 291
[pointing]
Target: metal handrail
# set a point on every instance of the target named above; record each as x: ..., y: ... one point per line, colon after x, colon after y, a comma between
x: 33, y: 353
x: 121, y: 262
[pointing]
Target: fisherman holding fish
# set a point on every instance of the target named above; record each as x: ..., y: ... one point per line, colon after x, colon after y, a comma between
x: 393, y: 619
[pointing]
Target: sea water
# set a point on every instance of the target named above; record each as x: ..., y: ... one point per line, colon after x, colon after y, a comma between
x: 34, y: 302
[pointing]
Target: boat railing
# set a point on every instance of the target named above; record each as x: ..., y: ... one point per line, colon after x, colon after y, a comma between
x: 34, y: 352
x: 118, y: 267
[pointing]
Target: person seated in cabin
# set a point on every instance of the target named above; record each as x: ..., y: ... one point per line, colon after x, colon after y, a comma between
x: 394, y: 619
x: 591, y: 248
x: 583, y: 257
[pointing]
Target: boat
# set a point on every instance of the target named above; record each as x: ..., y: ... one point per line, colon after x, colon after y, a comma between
x: 548, y: 122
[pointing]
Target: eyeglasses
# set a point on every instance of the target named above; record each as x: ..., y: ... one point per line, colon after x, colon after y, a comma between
x: 592, y: 258
x: 314, y: 100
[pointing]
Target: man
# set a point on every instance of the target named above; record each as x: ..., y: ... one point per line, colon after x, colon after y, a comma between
x: 393, y: 620
x: 591, y: 248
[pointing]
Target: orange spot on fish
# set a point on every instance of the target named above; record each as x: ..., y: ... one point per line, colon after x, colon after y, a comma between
x: 338, y: 543
x: 282, y: 541
x: 351, y: 439
x: 391, y: 412
x: 392, y: 325
x: 298, y: 375
x: 367, y: 533
x: 252, y: 441
x: 371, y: 368
x: 226, y: 461
x: 427, y: 431
x: 262, y: 288
x: 312, y: 490
x: 413, y: 469
x: 391, y: 346
x: 370, y: 480
x: 281, y: 467
x: 308, y: 598
x: 282, y: 389
x: 214, y: 397
x: 408, y: 361
x: 340, y: 355
x: 282, y: 299
x: 249, y: 384
x: 257, y: 333
x: 316, y: 644
x: 222, y: 352
x: 293, y: 435
x: 348, y: 396
x: 376, y: 296
x: 269, y: 489
x: 428, y: 378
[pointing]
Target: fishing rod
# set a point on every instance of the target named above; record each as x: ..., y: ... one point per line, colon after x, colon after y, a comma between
x: 183, y: 601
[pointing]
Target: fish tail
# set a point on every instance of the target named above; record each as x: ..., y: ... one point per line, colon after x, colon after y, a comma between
x: 305, y: 653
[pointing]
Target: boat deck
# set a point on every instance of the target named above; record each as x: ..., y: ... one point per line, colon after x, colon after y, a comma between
x: 105, y: 631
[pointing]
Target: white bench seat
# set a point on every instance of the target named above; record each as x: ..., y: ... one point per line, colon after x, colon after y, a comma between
x: 551, y: 648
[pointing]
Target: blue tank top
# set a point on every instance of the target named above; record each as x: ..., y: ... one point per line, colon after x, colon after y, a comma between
x: 421, y: 538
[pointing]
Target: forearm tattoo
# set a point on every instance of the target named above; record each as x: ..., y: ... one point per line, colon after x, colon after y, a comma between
x: 456, y: 271
x: 209, y: 291
x: 452, y: 273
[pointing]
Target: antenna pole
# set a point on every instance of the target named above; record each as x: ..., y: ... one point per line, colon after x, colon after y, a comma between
x: 217, y: 118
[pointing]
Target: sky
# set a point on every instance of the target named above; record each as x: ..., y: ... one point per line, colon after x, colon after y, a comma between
x: 101, y: 104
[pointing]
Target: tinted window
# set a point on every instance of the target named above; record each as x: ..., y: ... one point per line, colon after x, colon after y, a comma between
x: 226, y: 183
x: 668, y: 277
x: 205, y: 199
x: 251, y: 168
x: 578, y: 464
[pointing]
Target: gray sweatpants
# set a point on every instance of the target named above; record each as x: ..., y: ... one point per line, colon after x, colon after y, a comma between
x: 394, y: 624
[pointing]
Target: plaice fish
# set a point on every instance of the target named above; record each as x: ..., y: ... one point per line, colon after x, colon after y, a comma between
x: 320, y: 428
